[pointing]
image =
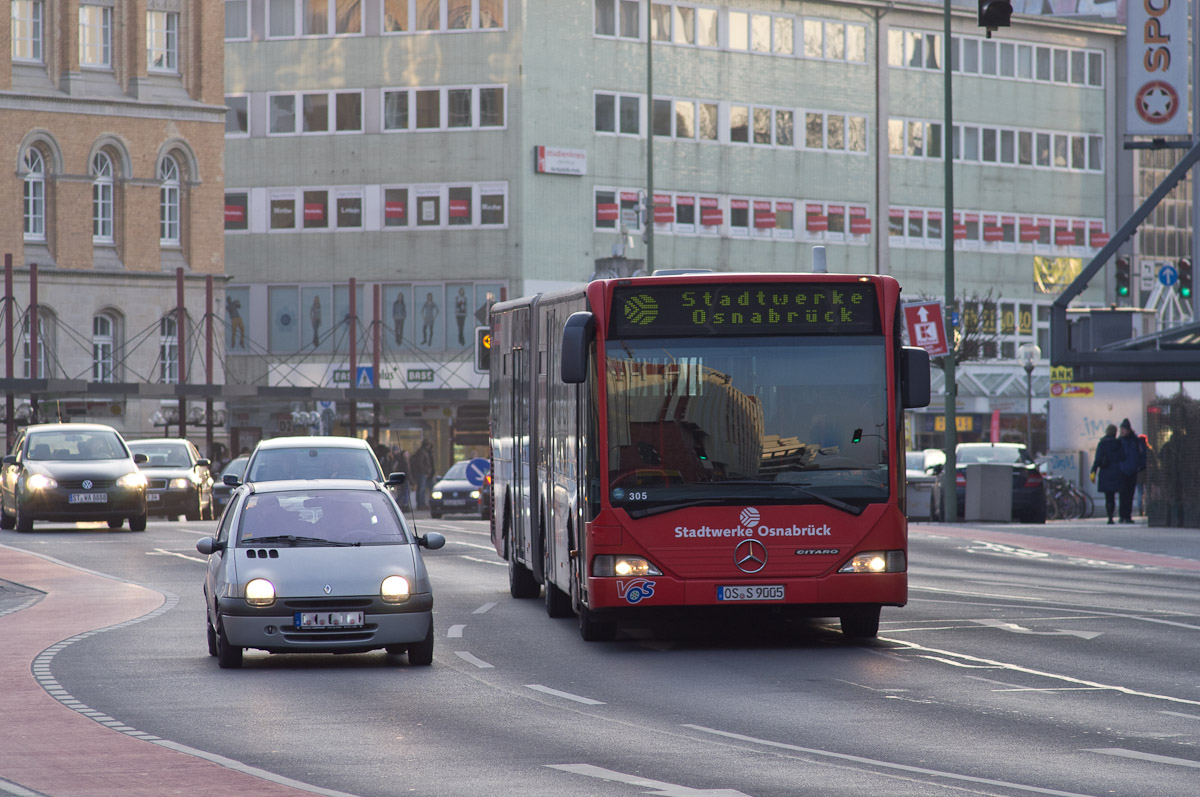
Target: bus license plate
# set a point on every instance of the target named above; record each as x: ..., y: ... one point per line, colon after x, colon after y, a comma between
x: 751, y: 592
x: 88, y: 498
x: 329, y: 619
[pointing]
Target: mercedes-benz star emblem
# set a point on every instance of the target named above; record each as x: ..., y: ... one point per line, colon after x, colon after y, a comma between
x: 750, y: 556
x: 87, y: 484
x: 328, y: 588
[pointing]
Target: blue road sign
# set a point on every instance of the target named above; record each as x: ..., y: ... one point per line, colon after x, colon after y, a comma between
x: 477, y: 470
x: 365, y: 376
x: 1168, y: 275
x: 954, y: 319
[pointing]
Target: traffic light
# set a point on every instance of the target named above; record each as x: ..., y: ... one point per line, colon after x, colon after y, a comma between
x: 1123, y: 276
x: 483, y: 350
x: 1185, y: 278
x: 994, y: 14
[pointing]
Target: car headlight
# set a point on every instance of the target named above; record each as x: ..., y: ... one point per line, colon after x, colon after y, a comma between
x: 180, y: 484
x: 876, y: 562
x: 608, y: 565
x: 260, y: 592
x: 132, y: 481
x: 436, y: 495
x: 475, y: 494
x: 394, y: 589
x: 40, y: 482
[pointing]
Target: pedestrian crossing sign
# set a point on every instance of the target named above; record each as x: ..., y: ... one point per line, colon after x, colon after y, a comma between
x: 365, y: 377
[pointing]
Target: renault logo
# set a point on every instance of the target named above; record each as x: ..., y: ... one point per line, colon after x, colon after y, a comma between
x: 750, y: 556
x: 328, y: 588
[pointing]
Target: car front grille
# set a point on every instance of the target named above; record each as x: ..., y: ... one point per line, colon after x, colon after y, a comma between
x: 297, y: 635
x: 77, y: 484
x: 156, y: 484
x: 328, y: 604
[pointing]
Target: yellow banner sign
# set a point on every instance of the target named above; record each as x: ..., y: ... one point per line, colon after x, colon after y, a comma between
x: 1053, y: 274
x: 963, y: 423
x: 1062, y: 373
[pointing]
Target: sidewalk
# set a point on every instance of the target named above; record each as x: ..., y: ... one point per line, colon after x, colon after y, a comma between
x: 49, y: 748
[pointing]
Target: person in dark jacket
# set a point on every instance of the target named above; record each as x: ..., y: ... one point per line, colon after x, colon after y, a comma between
x: 1107, y: 463
x: 1133, y: 462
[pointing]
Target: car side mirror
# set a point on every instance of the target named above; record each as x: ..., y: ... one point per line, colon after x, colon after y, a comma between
x: 231, y: 479
x: 203, y: 463
x: 209, y: 546
x: 396, y: 479
x: 432, y: 540
x: 140, y: 459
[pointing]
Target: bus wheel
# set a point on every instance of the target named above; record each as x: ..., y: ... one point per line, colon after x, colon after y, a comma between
x: 521, y: 583
x: 593, y: 630
x: 558, y: 603
x: 861, y: 624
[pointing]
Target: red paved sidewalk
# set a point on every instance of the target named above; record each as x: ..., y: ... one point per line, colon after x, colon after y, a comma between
x: 51, y: 749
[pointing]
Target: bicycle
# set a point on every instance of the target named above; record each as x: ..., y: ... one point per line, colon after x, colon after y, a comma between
x: 1065, y: 501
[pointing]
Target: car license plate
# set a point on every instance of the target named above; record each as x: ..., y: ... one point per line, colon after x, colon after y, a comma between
x: 87, y: 498
x: 153, y: 497
x: 455, y: 502
x: 329, y: 619
x: 752, y: 592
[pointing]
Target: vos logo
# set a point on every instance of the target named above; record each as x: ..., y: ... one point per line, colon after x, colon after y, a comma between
x: 749, y: 517
x: 635, y: 591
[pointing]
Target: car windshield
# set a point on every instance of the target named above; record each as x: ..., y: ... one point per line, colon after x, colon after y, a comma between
x: 321, y: 517
x: 1005, y: 455
x: 458, y: 471
x: 78, y: 445
x: 785, y: 419
x: 914, y: 460
x: 162, y: 455
x: 313, y: 462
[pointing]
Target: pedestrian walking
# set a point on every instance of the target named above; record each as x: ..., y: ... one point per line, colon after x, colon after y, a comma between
x: 1107, y: 463
x: 1133, y: 462
x: 423, y: 468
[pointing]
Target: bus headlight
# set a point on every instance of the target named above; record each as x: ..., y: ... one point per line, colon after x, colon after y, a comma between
x: 260, y: 592
x: 876, y: 562
x: 608, y: 565
x: 394, y: 589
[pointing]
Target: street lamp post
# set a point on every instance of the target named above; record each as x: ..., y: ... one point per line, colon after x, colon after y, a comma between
x: 1028, y: 354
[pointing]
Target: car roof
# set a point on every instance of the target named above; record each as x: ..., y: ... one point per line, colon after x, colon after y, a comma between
x: 991, y: 445
x: 97, y: 427
x: 312, y: 441
x: 286, y: 485
x: 152, y: 441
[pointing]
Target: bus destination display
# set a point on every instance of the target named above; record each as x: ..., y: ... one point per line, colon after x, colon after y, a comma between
x: 745, y: 309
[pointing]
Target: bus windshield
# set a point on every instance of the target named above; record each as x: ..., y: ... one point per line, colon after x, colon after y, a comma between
x: 741, y: 419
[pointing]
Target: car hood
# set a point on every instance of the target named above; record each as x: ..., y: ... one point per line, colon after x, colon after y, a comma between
x: 305, y: 571
x: 165, y: 473
x: 454, y: 484
x: 87, y: 469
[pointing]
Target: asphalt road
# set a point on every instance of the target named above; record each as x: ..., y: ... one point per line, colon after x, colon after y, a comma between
x: 1057, y: 659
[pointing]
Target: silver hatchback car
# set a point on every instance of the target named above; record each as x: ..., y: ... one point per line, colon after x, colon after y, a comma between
x: 317, y: 566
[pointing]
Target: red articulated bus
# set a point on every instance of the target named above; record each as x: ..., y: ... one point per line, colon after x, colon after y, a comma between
x: 668, y: 443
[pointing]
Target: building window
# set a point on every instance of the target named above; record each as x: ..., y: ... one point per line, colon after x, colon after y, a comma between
x: 621, y: 18
x: 460, y: 207
x: 41, y: 347
x: 395, y: 207
x: 282, y: 114
x: 314, y: 18
x: 237, y: 20
x: 95, y: 36
x: 162, y: 41
x: 102, y: 198
x: 237, y: 211
x: 103, y: 346
x: 168, y: 350
x: 348, y: 112
x: 27, y: 30
x: 237, y: 116
x: 395, y: 110
x: 168, y: 227
x: 35, y: 195
x: 316, y: 210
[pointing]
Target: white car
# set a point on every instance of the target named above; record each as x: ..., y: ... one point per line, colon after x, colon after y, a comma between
x: 317, y: 566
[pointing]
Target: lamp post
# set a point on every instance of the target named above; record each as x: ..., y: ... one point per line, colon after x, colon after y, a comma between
x: 1028, y: 354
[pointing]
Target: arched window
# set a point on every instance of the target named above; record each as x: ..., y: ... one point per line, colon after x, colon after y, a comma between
x: 102, y: 198
x: 35, y: 195
x: 168, y: 206
x: 103, y: 347
x: 168, y: 350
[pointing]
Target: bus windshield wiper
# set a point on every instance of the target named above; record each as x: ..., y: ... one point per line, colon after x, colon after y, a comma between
x: 802, y: 487
x: 661, y: 508
x: 294, y: 540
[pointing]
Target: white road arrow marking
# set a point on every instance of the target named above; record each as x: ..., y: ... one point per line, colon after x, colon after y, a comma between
x: 662, y: 788
x: 1017, y: 629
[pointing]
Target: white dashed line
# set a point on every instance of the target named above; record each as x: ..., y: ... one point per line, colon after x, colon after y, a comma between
x: 587, y: 701
x: 1157, y: 759
x: 485, y: 608
x: 455, y: 632
x: 469, y: 659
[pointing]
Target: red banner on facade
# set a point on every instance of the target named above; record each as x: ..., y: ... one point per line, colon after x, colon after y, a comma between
x: 393, y: 210
x: 1097, y: 237
x: 1028, y: 232
x: 816, y: 220
x: 460, y: 208
x: 235, y: 214
x: 607, y: 211
x: 764, y: 215
x: 664, y: 214
x: 314, y: 211
x: 711, y: 214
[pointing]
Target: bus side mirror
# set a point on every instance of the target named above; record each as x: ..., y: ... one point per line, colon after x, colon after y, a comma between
x: 578, y: 334
x: 914, y: 377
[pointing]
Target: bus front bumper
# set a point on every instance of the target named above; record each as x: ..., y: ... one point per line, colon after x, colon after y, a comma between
x: 826, y: 595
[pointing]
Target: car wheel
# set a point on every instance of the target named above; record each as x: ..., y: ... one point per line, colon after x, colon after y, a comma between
x: 6, y: 522
x: 116, y: 523
x: 212, y: 637
x: 593, y: 630
x: 861, y: 624
x: 420, y: 654
x: 23, y: 522
x: 521, y: 583
x: 137, y: 523
x: 229, y: 657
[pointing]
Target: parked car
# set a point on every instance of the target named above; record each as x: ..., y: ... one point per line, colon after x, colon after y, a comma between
x: 1028, y: 488
x: 221, y: 489
x: 178, y: 480
x: 454, y: 493
x: 921, y: 472
x: 320, y: 566
x: 71, y: 472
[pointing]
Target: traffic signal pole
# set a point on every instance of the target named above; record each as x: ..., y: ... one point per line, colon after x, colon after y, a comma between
x: 949, y: 486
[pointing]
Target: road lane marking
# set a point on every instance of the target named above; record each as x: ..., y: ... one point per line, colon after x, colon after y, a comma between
x: 491, y: 548
x: 882, y: 764
x: 1018, y: 629
x: 485, y: 608
x: 455, y: 632
x: 1181, y: 714
x: 929, y: 652
x: 587, y: 701
x: 1157, y: 759
x: 469, y: 659
x: 485, y: 561
x: 238, y: 766
x: 662, y: 788
x: 165, y: 552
